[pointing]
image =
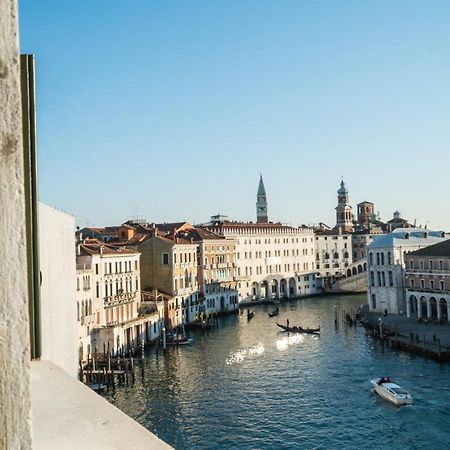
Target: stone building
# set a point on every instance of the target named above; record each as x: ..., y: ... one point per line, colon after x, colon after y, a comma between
x: 386, y: 266
x: 427, y: 282
x: 270, y: 258
x: 216, y: 269
x: 333, y: 252
x: 169, y: 264
x: 108, y: 278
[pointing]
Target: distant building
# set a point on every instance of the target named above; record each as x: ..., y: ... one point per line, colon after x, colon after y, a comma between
x: 365, y: 212
x: 398, y: 222
x: 333, y: 252
x: 271, y: 259
x: 386, y: 266
x: 427, y: 282
x: 261, y: 203
x: 108, y: 286
x: 344, y: 216
x: 169, y: 264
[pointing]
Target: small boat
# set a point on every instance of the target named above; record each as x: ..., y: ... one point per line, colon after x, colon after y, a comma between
x: 391, y: 391
x: 299, y: 329
x: 180, y: 340
x: 250, y: 314
x: 274, y: 313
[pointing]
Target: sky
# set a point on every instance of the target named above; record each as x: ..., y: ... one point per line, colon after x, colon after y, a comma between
x: 169, y: 110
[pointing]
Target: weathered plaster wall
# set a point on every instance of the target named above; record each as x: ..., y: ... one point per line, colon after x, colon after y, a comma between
x: 58, y: 287
x: 15, y: 423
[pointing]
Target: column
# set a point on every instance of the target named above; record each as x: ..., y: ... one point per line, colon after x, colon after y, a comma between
x: 428, y: 308
x: 438, y: 304
x: 408, y: 306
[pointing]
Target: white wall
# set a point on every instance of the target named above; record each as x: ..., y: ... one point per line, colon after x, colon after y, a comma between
x: 58, y: 288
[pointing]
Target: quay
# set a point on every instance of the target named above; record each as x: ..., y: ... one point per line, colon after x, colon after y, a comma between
x: 430, y: 339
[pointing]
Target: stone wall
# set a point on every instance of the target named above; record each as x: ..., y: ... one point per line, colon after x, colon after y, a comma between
x: 15, y: 408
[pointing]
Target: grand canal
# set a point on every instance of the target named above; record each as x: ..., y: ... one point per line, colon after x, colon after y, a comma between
x: 245, y: 385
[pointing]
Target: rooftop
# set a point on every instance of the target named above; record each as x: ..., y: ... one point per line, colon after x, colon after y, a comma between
x: 407, y: 237
x: 439, y: 249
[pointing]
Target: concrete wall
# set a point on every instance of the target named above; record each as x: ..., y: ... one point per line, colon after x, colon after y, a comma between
x: 15, y: 407
x: 58, y: 288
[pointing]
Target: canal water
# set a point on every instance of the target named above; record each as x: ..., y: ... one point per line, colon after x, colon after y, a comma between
x: 245, y: 385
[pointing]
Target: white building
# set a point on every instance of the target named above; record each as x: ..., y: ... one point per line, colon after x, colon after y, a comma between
x: 333, y: 252
x: 271, y: 258
x: 386, y: 266
x: 114, y: 289
x: 57, y: 268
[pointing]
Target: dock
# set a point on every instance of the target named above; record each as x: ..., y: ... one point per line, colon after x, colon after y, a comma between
x: 431, y: 340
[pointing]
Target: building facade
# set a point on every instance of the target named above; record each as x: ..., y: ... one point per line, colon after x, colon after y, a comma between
x: 270, y: 258
x: 110, y: 292
x: 333, y: 252
x: 386, y: 266
x: 427, y: 282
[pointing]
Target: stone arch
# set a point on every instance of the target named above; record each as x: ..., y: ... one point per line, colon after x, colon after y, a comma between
x: 284, y: 288
x: 365, y: 266
x: 413, y: 306
x: 423, y: 307
x: 349, y: 272
x: 444, y: 311
x: 360, y: 269
x: 264, y: 289
x: 433, y: 308
x: 354, y: 271
x: 292, y: 287
x: 274, y: 288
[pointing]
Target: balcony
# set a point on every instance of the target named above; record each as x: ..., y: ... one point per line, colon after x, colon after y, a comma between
x: 88, y: 320
x: 119, y: 299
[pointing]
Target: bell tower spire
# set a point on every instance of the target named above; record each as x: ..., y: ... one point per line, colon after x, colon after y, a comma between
x: 261, y: 203
x: 344, y: 210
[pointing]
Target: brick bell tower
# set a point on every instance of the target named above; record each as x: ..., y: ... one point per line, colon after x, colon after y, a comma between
x: 261, y: 203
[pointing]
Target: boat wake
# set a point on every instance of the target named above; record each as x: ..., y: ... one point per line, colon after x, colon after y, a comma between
x: 240, y: 355
x: 285, y: 342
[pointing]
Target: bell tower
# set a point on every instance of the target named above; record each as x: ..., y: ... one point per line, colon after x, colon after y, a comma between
x: 344, y: 210
x: 261, y: 203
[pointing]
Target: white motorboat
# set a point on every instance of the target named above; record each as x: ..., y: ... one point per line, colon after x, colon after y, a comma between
x: 391, y: 391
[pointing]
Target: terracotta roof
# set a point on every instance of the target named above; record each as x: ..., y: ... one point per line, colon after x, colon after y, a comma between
x: 96, y: 247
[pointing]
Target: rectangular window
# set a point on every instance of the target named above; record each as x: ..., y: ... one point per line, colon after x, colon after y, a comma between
x: 165, y: 259
x: 96, y: 269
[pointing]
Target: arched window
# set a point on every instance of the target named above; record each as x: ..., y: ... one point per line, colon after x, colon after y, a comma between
x: 374, y: 301
x: 90, y: 307
x: 391, y: 279
x: 370, y: 258
x: 382, y: 259
x: 78, y: 311
x: 372, y: 278
x: 82, y: 309
x: 412, y: 283
x: 389, y: 256
x: 378, y: 259
x: 78, y: 283
x: 97, y: 289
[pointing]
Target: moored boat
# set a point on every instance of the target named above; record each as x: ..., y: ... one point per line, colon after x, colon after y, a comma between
x: 180, y: 340
x: 391, y: 391
x: 299, y: 329
x: 274, y: 313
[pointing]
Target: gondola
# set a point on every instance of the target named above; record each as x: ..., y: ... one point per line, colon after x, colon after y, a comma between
x: 250, y: 314
x: 299, y: 329
x: 274, y: 313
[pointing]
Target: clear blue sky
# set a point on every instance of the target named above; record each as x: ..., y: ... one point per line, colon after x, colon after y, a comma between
x: 170, y: 109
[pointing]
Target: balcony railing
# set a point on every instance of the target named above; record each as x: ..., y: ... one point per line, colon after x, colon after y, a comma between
x: 87, y: 320
x: 118, y: 299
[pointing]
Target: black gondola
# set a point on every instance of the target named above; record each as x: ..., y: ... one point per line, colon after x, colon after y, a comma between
x: 274, y: 313
x: 299, y: 329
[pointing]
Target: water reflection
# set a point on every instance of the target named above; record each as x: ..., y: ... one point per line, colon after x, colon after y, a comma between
x: 246, y: 385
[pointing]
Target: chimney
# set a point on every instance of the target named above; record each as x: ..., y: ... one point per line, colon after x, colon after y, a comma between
x: 101, y: 249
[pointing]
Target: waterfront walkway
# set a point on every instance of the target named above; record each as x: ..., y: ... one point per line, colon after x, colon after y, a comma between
x: 427, y: 339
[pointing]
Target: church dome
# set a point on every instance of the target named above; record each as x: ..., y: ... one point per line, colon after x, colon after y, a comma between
x: 342, y: 190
